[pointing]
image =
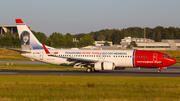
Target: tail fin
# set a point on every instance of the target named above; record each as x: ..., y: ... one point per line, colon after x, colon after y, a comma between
x: 28, y: 40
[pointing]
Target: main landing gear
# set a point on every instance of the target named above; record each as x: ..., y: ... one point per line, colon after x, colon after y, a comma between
x: 89, y: 69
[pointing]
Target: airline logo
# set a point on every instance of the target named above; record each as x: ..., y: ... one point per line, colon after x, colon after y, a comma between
x: 149, y: 62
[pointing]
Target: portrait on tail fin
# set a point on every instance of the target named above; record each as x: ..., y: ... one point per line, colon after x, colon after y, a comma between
x: 25, y: 41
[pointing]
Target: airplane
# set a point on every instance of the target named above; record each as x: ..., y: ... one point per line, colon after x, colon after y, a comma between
x: 94, y: 60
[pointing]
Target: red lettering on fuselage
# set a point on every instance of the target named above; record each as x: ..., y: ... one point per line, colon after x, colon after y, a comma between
x: 95, y: 52
x: 86, y: 52
x: 55, y: 52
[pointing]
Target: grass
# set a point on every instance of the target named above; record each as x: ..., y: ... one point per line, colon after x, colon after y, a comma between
x: 6, y: 54
x: 84, y: 88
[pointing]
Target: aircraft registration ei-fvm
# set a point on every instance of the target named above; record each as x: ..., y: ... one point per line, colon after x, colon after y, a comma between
x: 97, y: 59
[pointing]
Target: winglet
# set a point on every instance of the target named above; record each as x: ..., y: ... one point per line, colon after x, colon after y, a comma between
x: 19, y: 21
x: 45, y: 49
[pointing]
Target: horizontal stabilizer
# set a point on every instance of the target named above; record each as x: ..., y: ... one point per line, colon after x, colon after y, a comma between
x: 22, y: 51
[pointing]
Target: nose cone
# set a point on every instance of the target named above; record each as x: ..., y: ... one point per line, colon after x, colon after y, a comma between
x: 172, y: 61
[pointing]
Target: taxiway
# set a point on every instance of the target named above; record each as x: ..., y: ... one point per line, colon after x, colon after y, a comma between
x: 129, y: 72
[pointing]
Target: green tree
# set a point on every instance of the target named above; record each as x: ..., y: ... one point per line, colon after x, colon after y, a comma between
x: 116, y: 37
x: 42, y: 38
x: 129, y: 47
x: 9, y: 39
x: 133, y: 43
x: 106, y: 44
x: 101, y: 37
x: 69, y: 40
x: 57, y: 40
x: 86, y: 41
x: 78, y: 36
x: 154, y: 36
x: 109, y: 38
x: 158, y: 38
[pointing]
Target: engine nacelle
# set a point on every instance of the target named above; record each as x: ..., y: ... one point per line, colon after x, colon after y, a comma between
x: 104, y: 65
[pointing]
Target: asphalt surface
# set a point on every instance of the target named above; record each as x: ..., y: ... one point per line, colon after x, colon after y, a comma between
x: 172, y: 71
x: 128, y: 72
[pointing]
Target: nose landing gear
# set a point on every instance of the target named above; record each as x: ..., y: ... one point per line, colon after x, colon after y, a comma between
x: 159, y: 69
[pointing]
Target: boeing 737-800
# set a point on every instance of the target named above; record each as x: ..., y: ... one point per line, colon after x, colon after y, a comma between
x: 97, y: 59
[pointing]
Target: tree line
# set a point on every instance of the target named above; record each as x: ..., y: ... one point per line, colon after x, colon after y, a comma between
x: 57, y: 39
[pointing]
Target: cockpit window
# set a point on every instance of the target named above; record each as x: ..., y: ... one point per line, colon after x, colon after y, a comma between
x: 165, y: 56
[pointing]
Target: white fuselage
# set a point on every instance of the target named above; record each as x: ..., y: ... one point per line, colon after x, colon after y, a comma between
x: 121, y: 58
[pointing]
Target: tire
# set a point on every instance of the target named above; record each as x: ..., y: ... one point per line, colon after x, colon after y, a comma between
x: 96, y: 70
x: 159, y: 71
x: 89, y: 70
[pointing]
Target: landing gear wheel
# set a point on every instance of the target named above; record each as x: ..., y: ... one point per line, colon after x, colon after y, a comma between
x: 89, y: 70
x: 96, y: 70
x: 159, y: 71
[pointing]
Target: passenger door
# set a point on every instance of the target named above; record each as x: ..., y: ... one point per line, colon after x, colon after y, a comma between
x: 155, y: 55
x: 41, y: 55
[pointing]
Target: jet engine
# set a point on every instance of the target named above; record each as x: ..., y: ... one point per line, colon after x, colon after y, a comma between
x: 104, y: 65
